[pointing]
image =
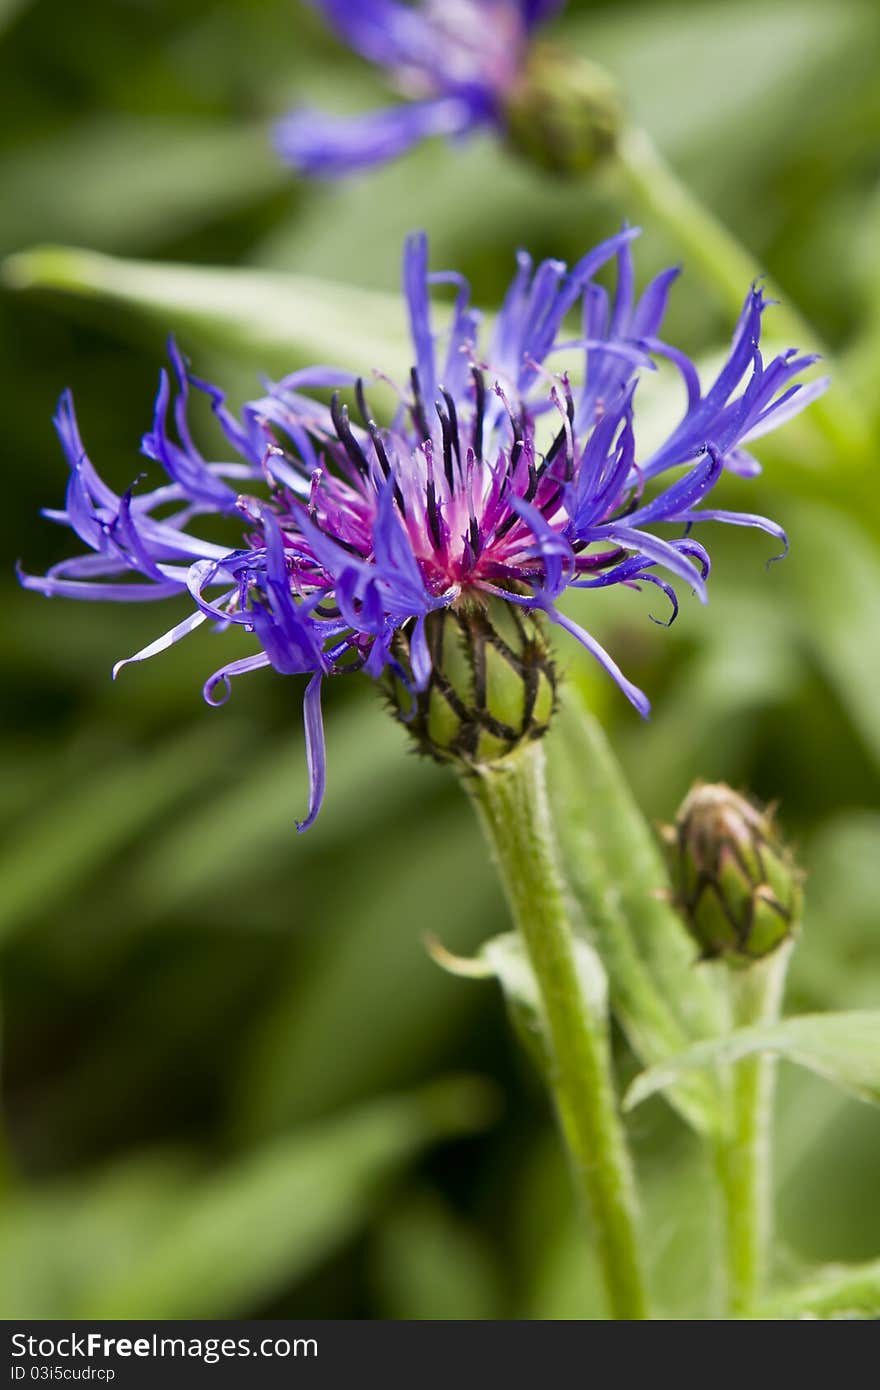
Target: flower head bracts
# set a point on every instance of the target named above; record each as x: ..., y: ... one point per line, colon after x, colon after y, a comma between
x: 457, y: 61
x: 497, y: 477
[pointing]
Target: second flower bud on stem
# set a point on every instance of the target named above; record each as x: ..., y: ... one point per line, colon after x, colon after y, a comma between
x: 733, y: 880
x: 738, y: 890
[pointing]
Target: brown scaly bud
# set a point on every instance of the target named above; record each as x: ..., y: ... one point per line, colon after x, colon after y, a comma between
x: 733, y: 880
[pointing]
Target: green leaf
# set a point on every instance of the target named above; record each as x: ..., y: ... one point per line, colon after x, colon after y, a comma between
x: 219, y: 1245
x: 83, y: 825
x: 841, y: 634
x: 843, y: 1048
x: 709, y: 719
x: 504, y: 958
x: 559, y: 1274
x: 837, y: 964
x: 168, y: 175
x: 839, y: 1291
x: 274, y: 321
x: 616, y: 871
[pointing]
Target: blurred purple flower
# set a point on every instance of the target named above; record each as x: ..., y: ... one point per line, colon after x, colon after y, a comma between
x: 457, y: 62
x: 495, y: 477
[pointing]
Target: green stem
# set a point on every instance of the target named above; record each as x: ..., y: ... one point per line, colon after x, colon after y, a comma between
x: 731, y: 267
x: 744, y: 1157
x: 613, y: 862
x: 511, y: 799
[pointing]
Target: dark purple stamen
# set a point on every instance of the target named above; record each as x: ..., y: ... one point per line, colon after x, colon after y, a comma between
x: 479, y: 409
x: 353, y: 450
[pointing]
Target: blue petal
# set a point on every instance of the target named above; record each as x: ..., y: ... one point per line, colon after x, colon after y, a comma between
x: 684, y: 494
x: 635, y: 696
x: 396, y: 565
x: 161, y: 644
x: 315, y: 749
x: 285, y: 627
x: 651, y: 308
x: 538, y: 11
x: 222, y: 677
x: 326, y: 146
x: 102, y: 593
x: 382, y: 31
x: 420, y: 655
x: 67, y: 429
x: 185, y: 465
x: 659, y: 551
x: 415, y: 290
x: 761, y: 523
x: 550, y: 545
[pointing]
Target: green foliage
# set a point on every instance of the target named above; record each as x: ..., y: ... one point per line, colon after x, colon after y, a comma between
x: 616, y: 870
x: 428, y: 1263
x: 844, y: 1048
x: 837, y: 1292
x: 255, y: 315
x: 158, y: 1239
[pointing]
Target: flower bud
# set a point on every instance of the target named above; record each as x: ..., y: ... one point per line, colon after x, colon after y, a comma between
x: 492, y: 685
x: 564, y: 112
x: 734, y: 882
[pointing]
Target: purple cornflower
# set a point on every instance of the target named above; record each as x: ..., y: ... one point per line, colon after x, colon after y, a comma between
x: 458, y: 62
x: 496, y: 482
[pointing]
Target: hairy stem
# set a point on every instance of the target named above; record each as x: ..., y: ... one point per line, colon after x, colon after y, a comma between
x: 511, y: 800
x: 744, y: 1154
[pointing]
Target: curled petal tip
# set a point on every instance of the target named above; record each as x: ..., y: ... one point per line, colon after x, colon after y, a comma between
x: 783, y: 554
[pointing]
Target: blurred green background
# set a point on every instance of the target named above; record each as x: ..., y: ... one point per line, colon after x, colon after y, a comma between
x: 234, y: 1083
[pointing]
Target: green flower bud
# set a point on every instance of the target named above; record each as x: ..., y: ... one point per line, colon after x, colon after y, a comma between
x: 564, y: 113
x: 492, y: 685
x: 734, y: 882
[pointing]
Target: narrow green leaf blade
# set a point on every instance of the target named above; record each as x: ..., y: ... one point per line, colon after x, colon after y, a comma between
x: 598, y: 803
x: 839, y: 1291
x: 168, y: 174
x: 844, y: 1048
x: 272, y: 320
x: 616, y: 871
x: 842, y: 636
